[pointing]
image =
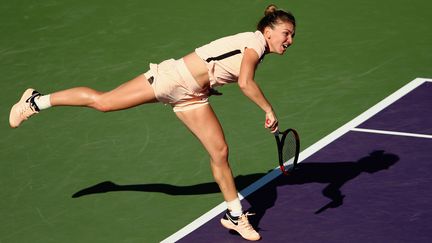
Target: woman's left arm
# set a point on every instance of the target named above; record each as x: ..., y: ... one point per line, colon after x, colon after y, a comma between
x: 251, y: 89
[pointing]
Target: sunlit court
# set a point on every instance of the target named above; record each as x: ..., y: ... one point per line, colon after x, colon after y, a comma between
x: 103, y: 162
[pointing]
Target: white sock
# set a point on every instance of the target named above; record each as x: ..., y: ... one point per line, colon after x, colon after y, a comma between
x: 43, y: 102
x: 235, y: 207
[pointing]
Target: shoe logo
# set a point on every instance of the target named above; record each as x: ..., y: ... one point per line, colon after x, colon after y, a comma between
x: 235, y: 222
x: 30, y: 100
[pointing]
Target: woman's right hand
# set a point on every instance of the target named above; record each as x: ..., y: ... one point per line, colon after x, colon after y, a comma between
x: 271, y: 122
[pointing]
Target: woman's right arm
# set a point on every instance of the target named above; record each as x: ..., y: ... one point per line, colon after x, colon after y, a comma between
x: 251, y: 89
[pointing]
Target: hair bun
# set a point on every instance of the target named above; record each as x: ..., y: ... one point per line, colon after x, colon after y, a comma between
x: 270, y: 9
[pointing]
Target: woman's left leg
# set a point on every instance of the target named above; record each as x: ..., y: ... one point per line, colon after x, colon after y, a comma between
x: 129, y: 94
x: 132, y: 93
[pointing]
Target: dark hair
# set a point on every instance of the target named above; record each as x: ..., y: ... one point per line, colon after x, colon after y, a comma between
x: 273, y: 15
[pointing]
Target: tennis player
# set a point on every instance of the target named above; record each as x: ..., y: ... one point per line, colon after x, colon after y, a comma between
x: 186, y: 85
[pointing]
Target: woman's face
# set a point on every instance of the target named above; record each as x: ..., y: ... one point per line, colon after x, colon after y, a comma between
x: 279, y: 37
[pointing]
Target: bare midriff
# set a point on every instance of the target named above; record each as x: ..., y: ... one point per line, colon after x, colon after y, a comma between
x: 198, y: 68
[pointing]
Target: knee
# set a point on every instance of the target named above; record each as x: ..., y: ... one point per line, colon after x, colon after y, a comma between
x: 102, y: 107
x: 220, y: 166
x: 100, y: 103
x: 91, y: 98
x: 220, y: 155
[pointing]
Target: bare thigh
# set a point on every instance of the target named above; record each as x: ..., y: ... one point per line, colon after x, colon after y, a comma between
x: 132, y: 93
x: 203, y: 123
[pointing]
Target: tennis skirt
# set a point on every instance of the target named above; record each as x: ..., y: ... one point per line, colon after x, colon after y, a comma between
x: 173, y: 84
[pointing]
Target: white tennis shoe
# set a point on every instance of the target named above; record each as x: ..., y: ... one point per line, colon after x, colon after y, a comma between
x: 24, y: 108
x: 241, y: 225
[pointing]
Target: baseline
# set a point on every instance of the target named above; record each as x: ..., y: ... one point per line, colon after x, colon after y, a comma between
x: 406, y: 134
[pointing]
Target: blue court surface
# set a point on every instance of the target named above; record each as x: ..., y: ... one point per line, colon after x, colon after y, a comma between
x: 368, y: 181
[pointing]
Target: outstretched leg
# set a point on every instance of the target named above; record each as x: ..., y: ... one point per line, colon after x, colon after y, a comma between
x: 132, y: 93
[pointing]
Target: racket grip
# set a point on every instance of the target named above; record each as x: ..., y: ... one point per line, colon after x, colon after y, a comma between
x: 282, y: 168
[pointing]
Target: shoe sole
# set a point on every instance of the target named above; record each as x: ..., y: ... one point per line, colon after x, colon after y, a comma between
x: 227, y: 224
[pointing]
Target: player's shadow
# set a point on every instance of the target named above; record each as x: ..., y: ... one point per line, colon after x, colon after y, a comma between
x: 198, y: 189
x: 334, y: 174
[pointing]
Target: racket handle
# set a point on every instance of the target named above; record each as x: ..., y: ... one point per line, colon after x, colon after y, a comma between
x: 282, y: 168
x: 276, y: 133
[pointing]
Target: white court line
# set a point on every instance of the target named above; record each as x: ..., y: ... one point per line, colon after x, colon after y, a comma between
x: 406, y: 134
x: 303, y: 155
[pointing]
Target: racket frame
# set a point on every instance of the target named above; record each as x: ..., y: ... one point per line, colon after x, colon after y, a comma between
x: 280, y: 141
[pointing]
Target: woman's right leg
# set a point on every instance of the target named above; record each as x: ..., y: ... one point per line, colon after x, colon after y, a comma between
x: 203, y: 123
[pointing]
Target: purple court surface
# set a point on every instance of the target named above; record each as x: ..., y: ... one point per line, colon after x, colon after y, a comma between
x: 371, y: 183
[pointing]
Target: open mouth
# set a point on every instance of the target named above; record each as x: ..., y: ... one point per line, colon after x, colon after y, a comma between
x: 285, y: 46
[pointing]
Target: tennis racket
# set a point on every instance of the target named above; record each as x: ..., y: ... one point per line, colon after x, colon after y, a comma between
x: 288, y: 146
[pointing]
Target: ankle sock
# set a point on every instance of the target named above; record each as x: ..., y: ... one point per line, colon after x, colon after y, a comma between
x: 235, y: 207
x: 43, y: 102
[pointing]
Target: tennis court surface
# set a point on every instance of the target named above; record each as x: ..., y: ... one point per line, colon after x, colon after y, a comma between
x: 155, y: 176
x: 368, y: 181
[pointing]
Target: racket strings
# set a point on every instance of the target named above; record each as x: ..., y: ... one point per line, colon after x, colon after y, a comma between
x: 289, y: 147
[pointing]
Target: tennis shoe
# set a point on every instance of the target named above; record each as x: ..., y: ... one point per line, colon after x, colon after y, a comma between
x: 241, y: 225
x: 24, y: 108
